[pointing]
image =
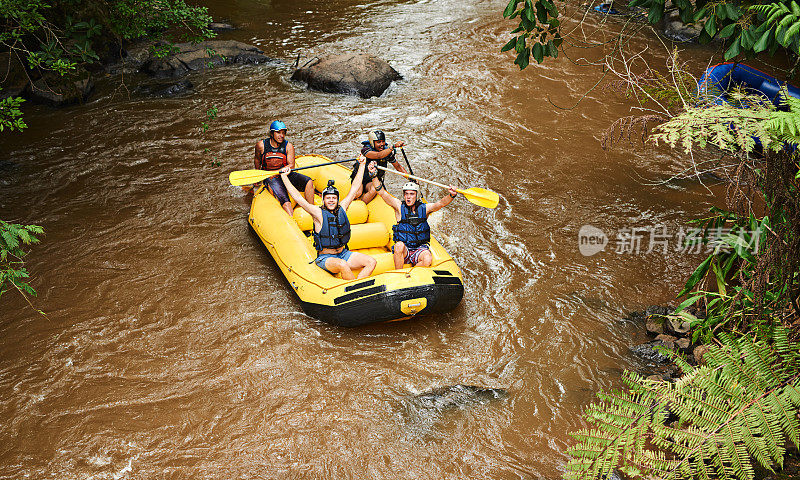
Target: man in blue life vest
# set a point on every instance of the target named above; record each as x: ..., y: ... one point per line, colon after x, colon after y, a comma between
x: 274, y: 153
x: 332, y: 228
x: 412, y: 234
x: 376, y: 149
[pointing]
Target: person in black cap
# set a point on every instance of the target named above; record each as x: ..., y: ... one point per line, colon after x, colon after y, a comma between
x: 376, y: 149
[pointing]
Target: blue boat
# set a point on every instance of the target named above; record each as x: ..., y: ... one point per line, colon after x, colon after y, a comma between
x: 721, y: 78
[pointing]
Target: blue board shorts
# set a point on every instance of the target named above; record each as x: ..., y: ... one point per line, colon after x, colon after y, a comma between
x: 320, y: 261
x: 279, y: 189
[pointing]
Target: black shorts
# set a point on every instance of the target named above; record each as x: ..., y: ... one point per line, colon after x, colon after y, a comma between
x: 367, y: 179
x: 279, y: 189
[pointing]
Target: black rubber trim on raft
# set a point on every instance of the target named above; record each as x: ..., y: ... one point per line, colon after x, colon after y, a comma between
x: 442, y: 272
x: 361, y: 293
x: 368, y: 283
x: 385, y: 306
x: 447, y: 280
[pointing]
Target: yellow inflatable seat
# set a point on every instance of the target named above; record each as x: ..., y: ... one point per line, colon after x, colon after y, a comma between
x: 357, y: 213
x: 366, y: 236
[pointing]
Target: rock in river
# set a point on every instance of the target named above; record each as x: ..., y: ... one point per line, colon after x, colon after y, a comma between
x: 57, y: 92
x: 458, y: 396
x: 204, y: 55
x: 354, y: 74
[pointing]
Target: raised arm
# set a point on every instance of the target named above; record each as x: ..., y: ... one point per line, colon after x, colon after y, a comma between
x: 312, y: 210
x: 390, y: 200
x: 445, y: 201
x: 345, y: 203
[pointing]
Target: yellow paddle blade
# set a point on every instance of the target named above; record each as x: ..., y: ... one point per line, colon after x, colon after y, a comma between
x: 249, y: 177
x: 481, y: 196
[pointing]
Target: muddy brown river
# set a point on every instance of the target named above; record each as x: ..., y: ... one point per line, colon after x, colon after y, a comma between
x: 173, y: 347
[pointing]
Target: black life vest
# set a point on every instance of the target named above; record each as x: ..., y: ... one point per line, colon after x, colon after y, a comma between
x: 413, y: 229
x: 382, y: 162
x: 335, y: 231
x: 274, y: 158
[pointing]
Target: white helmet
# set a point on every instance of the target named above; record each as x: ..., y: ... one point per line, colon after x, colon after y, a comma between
x: 411, y: 186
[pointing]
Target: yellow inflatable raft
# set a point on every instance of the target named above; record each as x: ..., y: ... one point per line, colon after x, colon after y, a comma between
x: 387, y: 294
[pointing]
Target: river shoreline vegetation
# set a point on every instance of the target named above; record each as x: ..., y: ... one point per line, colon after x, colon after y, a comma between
x: 738, y: 409
x: 57, y: 43
x: 54, y: 44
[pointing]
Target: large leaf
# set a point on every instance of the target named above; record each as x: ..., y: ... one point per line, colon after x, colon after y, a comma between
x: 508, y: 46
x: 696, y: 276
x: 734, y: 49
x: 510, y: 8
x: 727, y: 31
x: 763, y: 42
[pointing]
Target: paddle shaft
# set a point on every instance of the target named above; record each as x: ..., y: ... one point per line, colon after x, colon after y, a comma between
x: 410, y: 170
x: 249, y: 177
x: 414, y: 177
x: 324, y: 164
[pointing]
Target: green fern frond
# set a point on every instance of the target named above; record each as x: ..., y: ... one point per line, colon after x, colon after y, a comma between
x: 740, y: 408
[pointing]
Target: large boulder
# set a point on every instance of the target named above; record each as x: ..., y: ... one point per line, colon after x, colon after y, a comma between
x: 203, y: 55
x: 354, y: 74
x: 13, y: 79
x: 58, y: 92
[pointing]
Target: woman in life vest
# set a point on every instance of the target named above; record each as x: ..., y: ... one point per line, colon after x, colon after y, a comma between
x: 274, y: 153
x: 376, y: 148
x: 332, y: 228
x: 412, y: 234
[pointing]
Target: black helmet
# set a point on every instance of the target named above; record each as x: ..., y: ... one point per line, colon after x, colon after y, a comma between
x: 330, y: 190
x: 376, y: 136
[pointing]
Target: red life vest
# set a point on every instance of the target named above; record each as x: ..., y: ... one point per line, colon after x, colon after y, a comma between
x: 274, y: 158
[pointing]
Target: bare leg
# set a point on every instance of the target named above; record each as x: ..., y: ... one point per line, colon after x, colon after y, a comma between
x: 425, y: 259
x: 399, y: 255
x: 337, y: 265
x: 288, y: 207
x: 309, y: 192
x: 369, y: 194
x: 364, y: 262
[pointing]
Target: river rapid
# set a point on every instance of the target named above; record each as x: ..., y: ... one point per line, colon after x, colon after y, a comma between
x: 172, y: 346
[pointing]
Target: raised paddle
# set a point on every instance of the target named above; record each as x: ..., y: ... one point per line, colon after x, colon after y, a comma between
x: 478, y: 196
x: 410, y: 170
x: 247, y: 177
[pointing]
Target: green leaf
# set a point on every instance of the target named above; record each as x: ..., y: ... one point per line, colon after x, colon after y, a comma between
x: 655, y: 14
x: 727, y: 31
x: 791, y: 34
x: 696, y: 276
x: 529, y: 14
x: 746, y: 39
x: 689, y: 301
x: 523, y: 59
x: 538, y: 52
x: 508, y: 46
x: 734, y: 49
x: 520, y: 47
x: 510, y: 8
x: 732, y: 11
x: 541, y: 12
x: 763, y: 42
x: 700, y: 14
x: 711, y: 26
